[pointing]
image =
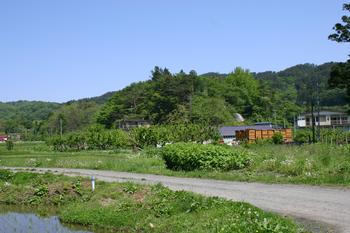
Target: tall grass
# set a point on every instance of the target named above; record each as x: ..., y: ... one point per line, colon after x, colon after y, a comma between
x: 316, y: 164
x: 128, y: 207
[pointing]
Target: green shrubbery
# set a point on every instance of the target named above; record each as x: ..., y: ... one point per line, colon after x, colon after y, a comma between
x: 327, y: 136
x: 99, y: 138
x: 302, y: 136
x: 162, y: 134
x: 190, y: 156
x: 277, y: 138
x: 9, y: 145
x: 95, y: 138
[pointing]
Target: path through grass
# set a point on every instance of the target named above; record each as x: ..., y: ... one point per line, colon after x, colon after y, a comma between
x: 306, y: 164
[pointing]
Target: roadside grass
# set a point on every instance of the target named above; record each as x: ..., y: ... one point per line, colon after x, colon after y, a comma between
x: 316, y: 164
x: 129, y: 207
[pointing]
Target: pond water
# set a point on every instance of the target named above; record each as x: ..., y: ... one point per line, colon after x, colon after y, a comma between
x: 17, y: 222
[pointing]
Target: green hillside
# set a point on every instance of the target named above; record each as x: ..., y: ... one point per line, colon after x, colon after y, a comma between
x: 210, y: 98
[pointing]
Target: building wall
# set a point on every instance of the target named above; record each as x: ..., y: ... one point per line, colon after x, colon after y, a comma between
x: 325, y: 120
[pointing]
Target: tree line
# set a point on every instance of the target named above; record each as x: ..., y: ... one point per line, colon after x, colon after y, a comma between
x: 181, y: 98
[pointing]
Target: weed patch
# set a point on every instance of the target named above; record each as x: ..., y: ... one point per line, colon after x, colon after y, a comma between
x: 128, y: 207
x: 190, y: 156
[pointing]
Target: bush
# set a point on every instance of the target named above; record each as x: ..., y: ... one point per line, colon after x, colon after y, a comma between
x: 190, y: 156
x: 302, y: 136
x: 161, y: 134
x: 95, y: 138
x: 277, y: 138
x: 5, y: 175
x: 58, y: 143
x: 144, y: 137
x: 9, y: 145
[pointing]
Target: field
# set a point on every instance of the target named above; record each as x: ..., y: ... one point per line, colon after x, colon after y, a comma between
x: 128, y: 207
x: 316, y: 164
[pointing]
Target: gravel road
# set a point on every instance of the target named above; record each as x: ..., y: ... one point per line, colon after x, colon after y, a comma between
x: 322, y: 209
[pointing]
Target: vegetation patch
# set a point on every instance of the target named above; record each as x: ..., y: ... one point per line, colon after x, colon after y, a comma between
x: 314, y: 164
x: 128, y: 207
x: 94, y: 138
x: 98, y: 138
x: 190, y: 156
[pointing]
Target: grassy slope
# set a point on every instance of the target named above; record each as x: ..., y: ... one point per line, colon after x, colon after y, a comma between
x: 127, y: 207
x: 308, y: 164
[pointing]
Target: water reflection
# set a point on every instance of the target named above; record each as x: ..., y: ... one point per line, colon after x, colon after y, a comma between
x: 13, y: 222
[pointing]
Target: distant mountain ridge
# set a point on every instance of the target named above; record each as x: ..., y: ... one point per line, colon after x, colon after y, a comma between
x: 28, y: 111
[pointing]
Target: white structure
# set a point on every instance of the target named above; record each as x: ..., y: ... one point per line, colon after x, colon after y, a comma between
x: 327, y: 119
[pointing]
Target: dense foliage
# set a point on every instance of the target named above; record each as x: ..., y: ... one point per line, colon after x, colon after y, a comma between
x: 73, y: 116
x: 95, y: 138
x: 162, y: 134
x: 190, y: 156
x: 340, y: 74
x: 38, y: 120
x: 21, y: 115
x: 327, y: 136
x: 9, y: 145
x: 182, y: 98
x: 277, y: 138
x: 315, y: 164
x: 215, y: 98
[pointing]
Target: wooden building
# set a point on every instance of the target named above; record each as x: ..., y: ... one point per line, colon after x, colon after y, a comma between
x: 251, y: 135
x: 132, y: 123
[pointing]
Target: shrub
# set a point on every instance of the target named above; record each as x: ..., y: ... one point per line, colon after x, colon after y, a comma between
x: 5, y: 175
x: 162, y: 134
x: 9, y: 145
x: 190, y: 156
x: 302, y: 136
x: 277, y: 138
x: 58, y: 143
x: 143, y: 137
x: 95, y: 138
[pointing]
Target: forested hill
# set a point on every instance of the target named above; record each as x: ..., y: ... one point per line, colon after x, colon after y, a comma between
x: 102, y: 99
x: 167, y: 97
x: 296, y: 76
x: 22, y: 114
x: 214, y: 98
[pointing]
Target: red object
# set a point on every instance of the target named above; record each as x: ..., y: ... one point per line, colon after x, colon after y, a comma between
x: 3, y: 138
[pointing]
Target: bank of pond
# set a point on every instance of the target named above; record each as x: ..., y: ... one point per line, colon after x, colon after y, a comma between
x: 26, y: 219
x: 122, y: 207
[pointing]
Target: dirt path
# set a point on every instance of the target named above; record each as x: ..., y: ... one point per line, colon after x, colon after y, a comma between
x: 314, y: 206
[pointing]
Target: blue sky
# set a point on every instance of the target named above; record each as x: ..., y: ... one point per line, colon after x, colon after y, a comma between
x: 70, y: 49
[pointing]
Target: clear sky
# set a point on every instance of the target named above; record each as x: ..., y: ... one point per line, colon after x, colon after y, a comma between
x: 60, y: 50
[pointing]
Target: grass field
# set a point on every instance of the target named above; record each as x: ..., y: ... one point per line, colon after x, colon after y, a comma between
x: 316, y: 164
x: 128, y: 207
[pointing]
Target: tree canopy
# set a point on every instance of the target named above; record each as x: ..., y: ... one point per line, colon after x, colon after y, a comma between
x: 340, y: 74
x: 184, y: 98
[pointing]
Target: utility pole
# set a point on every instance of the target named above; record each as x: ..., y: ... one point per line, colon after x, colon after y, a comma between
x: 61, y: 126
x: 294, y: 126
x: 313, y: 121
x: 191, y: 108
x: 191, y: 95
x: 318, y: 111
